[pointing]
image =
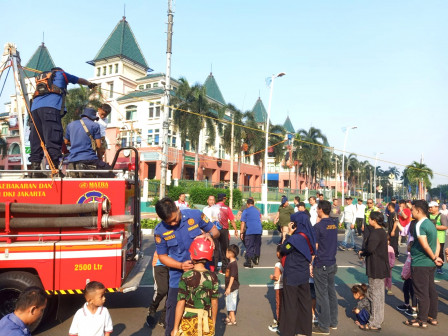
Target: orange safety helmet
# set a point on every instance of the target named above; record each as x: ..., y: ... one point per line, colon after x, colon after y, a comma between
x: 201, y: 248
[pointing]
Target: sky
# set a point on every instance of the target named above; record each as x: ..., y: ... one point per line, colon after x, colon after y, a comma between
x: 378, y: 65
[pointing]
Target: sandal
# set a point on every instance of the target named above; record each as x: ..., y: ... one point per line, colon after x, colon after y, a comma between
x: 415, y: 323
x: 433, y: 322
x: 367, y: 327
x: 226, y: 320
x: 230, y: 323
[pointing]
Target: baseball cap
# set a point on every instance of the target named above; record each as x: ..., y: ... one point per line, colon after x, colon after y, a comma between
x: 433, y: 204
x: 221, y: 197
x: 284, y: 200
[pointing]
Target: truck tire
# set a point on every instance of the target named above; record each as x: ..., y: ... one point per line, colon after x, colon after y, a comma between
x: 11, y: 285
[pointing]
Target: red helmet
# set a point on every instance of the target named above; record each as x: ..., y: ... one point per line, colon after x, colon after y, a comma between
x: 201, y: 248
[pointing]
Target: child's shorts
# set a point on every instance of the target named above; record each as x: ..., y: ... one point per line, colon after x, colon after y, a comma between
x: 312, y: 290
x: 231, y: 300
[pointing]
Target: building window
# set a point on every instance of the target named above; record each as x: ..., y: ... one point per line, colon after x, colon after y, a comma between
x: 124, y: 139
x: 110, y: 69
x: 170, y: 113
x: 98, y: 72
x: 104, y: 71
x: 131, y: 112
x: 148, y: 86
x: 187, y: 145
x: 14, y: 148
x: 5, y: 130
x: 171, y: 138
x: 141, y: 87
x: 155, y: 85
x: 151, y: 110
x: 153, y: 137
x: 111, y: 89
x: 158, y: 110
x: 221, y: 152
x: 116, y: 68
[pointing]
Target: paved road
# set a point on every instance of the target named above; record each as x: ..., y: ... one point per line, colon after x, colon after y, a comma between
x: 256, y: 302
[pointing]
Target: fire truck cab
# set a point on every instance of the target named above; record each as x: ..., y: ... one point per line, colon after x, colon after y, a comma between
x: 61, y: 233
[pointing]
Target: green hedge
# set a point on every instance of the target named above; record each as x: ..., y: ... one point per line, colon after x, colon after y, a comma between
x: 151, y: 224
x: 199, y: 195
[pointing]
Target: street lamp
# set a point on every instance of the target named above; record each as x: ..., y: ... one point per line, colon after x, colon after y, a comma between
x: 343, y: 160
x: 264, y: 187
x: 374, y: 174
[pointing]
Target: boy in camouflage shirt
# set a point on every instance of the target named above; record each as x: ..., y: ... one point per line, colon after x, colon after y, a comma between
x: 197, y: 299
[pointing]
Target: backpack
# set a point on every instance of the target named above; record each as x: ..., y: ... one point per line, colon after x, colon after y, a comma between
x: 44, y: 83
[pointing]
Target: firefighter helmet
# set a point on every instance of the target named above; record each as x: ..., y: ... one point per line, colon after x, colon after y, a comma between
x: 201, y: 248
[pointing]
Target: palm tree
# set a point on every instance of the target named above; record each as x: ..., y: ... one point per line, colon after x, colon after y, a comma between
x: 312, y: 150
x: 76, y: 100
x: 189, y: 125
x: 351, y: 170
x: 418, y: 174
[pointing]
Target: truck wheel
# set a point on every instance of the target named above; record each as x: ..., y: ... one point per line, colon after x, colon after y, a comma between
x: 11, y: 285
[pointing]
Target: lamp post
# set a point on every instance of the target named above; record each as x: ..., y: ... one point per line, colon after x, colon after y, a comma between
x: 264, y: 190
x: 343, y: 160
x: 374, y: 174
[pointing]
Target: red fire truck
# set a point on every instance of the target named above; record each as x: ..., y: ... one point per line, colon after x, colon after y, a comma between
x: 61, y: 233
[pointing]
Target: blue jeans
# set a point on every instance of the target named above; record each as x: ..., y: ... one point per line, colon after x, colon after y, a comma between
x: 349, y: 240
x: 326, y: 300
x: 171, y: 303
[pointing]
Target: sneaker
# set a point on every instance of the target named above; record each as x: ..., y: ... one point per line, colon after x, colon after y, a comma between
x: 341, y: 248
x: 161, y: 324
x: 273, y: 327
x: 151, y: 318
x: 334, y: 327
x: 389, y: 292
x: 439, y: 271
x: 248, y: 264
x: 315, y: 320
x: 319, y: 331
x: 411, y: 312
x: 403, y: 307
x: 350, y: 249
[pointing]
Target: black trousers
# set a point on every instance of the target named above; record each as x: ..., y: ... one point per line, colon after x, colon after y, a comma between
x: 253, y: 245
x: 295, y: 310
x: 394, y: 243
x: 359, y: 226
x: 442, y: 253
x: 425, y: 292
x: 408, y: 292
x: 49, y: 126
x: 161, y: 284
x: 223, y: 245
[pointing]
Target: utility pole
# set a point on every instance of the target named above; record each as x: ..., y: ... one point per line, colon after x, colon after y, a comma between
x: 166, y: 109
x: 232, y: 154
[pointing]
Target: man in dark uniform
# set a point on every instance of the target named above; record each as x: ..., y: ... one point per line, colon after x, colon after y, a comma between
x: 47, y: 111
x: 173, y: 236
x: 81, y: 150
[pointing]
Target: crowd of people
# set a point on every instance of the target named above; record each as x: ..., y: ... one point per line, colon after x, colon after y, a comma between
x: 193, y: 246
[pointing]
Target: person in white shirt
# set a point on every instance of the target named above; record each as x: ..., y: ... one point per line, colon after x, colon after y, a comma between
x: 360, y: 211
x: 313, y: 210
x: 93, y: 319
x: 349, y: 219
x: 103, y: 113
x: 212, y: 213
x: 180, y: 203
x: 444, y: 210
